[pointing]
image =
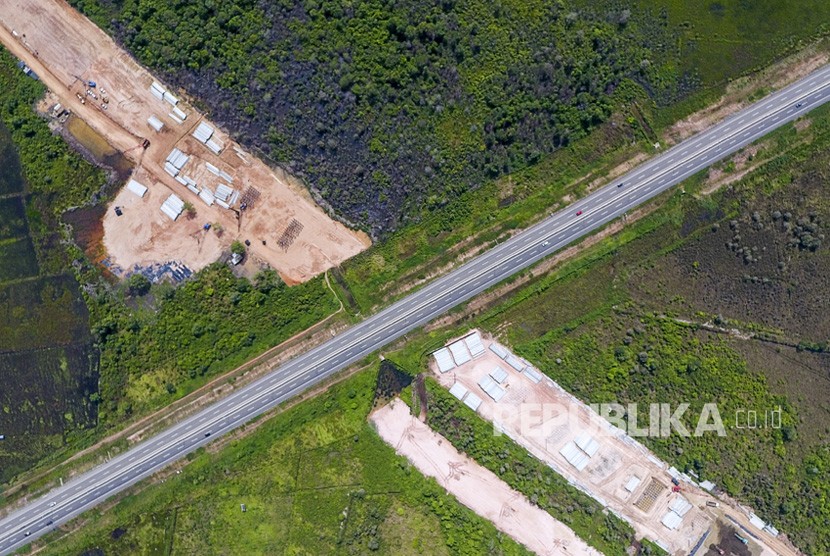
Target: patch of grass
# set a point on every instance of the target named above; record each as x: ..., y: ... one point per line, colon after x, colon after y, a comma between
x: 288, y: 474
x: 17, y: 259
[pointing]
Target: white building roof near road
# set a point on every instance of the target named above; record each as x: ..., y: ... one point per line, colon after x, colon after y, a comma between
x: 179, y: 113
x: 671, y: 520
x: 170, y: 98
x: 771, y: 530
x: 532, y: 374
x: 474, y: 344
x: 444, y: 360
x: 203, y: 132
x: 491, y: 388
x: 632, y: 483
x: 587, y: 444
x: 172, y: 207
x: 498, y: 350
x: 170, y: 169
x: 155, y: 123
x: 193, y: 188
x: 472, y: 401
x: 458, y: 390
x: 136, y: 188
x: 177, y: 158
x: 499, y: 375
x: 460, y: 353
x: 574, y: 456
x: 181, y: 179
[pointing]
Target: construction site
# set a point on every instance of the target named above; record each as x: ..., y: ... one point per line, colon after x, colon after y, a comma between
x: 664, y: 505
x: 194, y: 190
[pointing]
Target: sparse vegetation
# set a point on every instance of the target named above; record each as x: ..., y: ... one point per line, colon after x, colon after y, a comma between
x: 316, y: 479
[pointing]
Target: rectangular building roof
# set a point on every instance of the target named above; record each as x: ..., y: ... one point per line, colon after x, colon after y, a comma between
x: 207, y: 196
x: 136, y: 188
x: 444, y: 360
x: 632, y: 483
x: 215, y: 145
x: 155, y: 123
x: 491, y: 388
x: 474, y: 344
x: 460, y: 353
x: 499, y: 375
x: 671, y: 520
x: 170, y: 98
x: 498, y: 350
x: 680, y: 506
x: 458, y: 390
x: 514, y: 362
x: 756, y: 521
x: 223, y: 192
x: 203, y: 132
x: 179, y: 113
x: 472, y: 401
x: 172, y: 207
x: 156, y: 93
x: 532, y: 374
x: 574, y: 456
x: 587, y: 444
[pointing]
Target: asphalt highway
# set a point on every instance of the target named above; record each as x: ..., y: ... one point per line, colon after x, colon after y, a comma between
x: 524, y: 249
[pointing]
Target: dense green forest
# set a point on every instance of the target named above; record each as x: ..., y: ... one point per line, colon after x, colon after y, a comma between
x: 390, y: 107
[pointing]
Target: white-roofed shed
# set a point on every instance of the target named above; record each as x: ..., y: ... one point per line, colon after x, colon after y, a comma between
x: 680, y: 506
x: 472, y: 401
x: 203, y: 132
x: 474, y: 344
x: 444, y: 360
x: 155, y: 123
x: 136, y: 188
x: 499, y: 375
x: 532, y: 374
x: 460, y: 353
x: 632, y: 483
x: 498, y: 350
x: 671, y: 520
x: 587, y: 444
x: 458, y: 390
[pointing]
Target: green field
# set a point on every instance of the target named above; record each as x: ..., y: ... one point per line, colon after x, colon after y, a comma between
x: 315, y: 480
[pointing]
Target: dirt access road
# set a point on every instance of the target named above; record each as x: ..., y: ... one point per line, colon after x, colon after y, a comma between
x: 474, y: 486
x: 286, y: 229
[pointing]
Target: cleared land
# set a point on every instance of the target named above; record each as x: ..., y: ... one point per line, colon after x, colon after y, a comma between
x: 475, y: 487
x: 67, y: 51
x: 618, y: 471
